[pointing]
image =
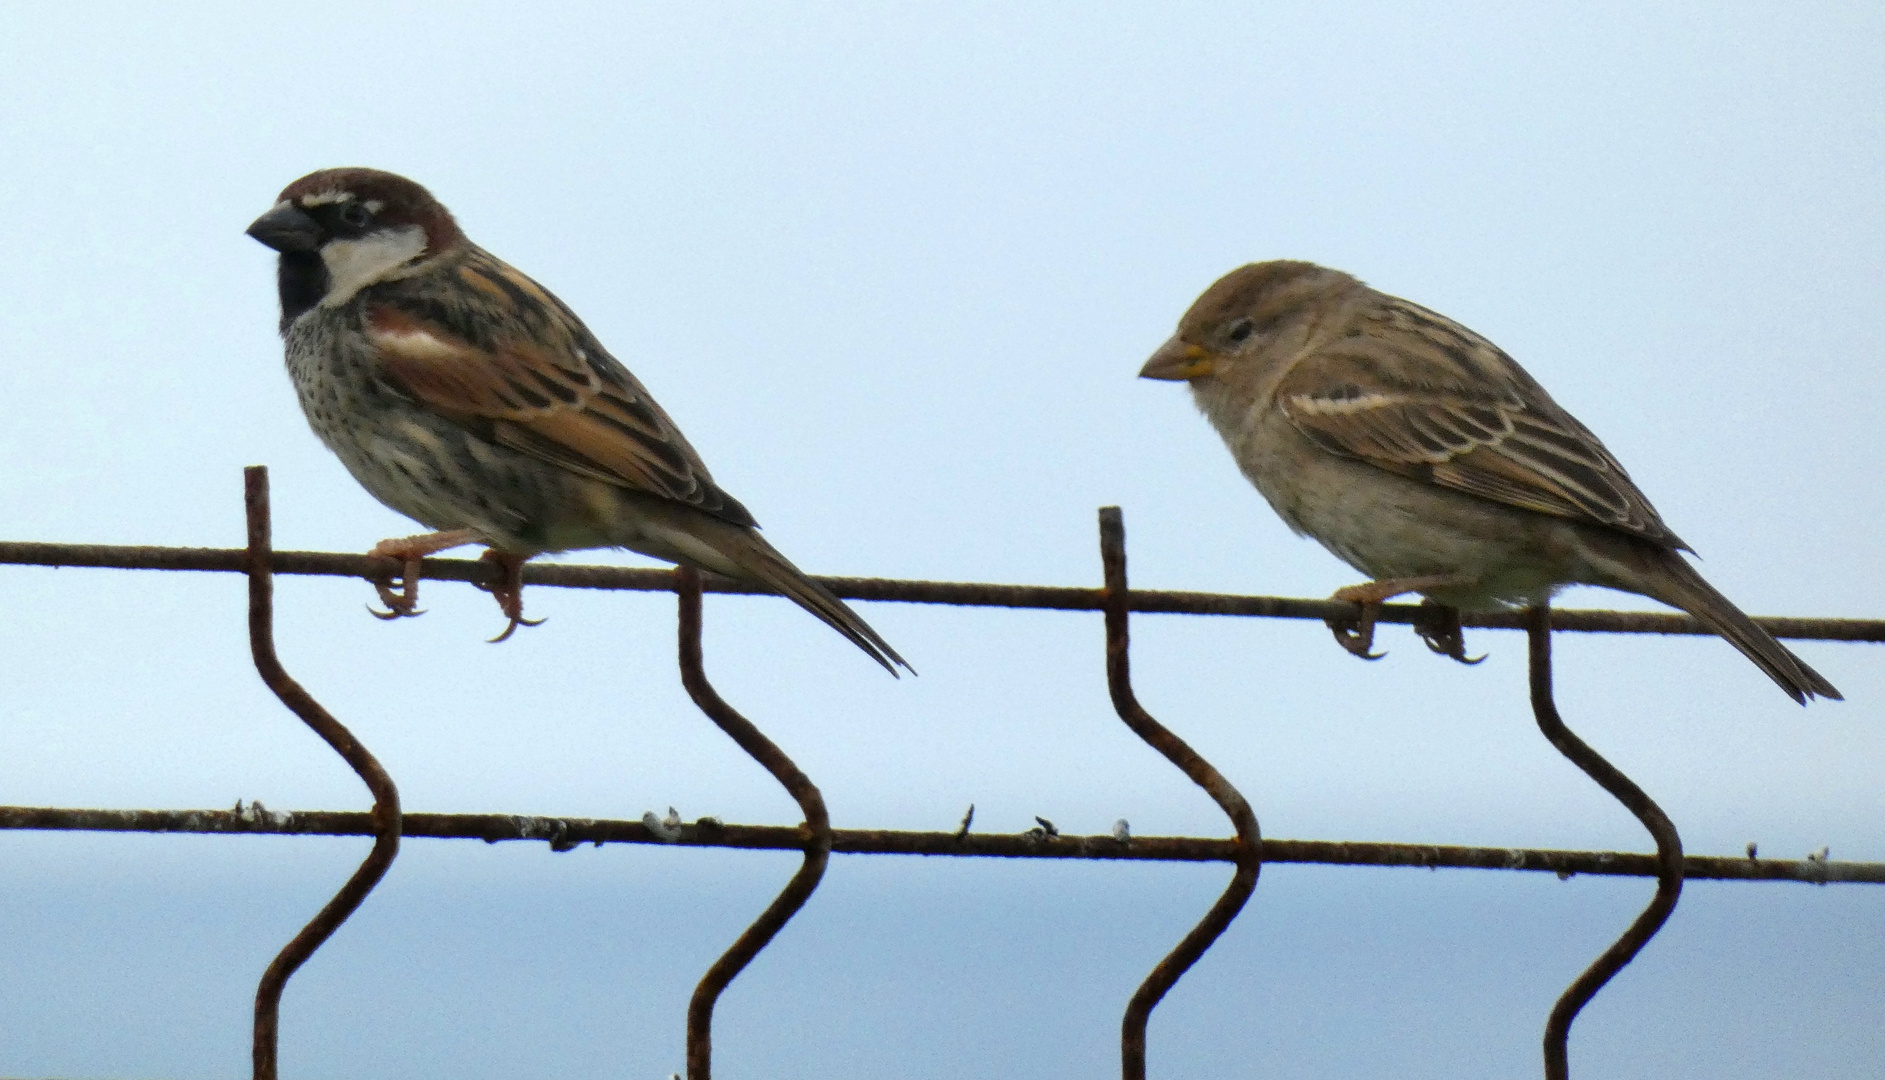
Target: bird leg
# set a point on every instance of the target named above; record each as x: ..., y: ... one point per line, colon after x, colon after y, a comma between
x: 1357, y: 636
x: 1439, y: 626
x: 508, y: 590
x: 409, y: 550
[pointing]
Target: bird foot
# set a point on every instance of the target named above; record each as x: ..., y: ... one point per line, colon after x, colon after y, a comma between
x: 508, y: 590
x: 403, y: 603
x: 1357, y: 634
x: 1439, y: 626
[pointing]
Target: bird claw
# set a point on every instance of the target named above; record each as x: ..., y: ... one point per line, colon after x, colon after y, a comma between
x: 508, y: 591
x: 401, y: 603
x: 517, y: 621
x: 1439, y: 626
x: 1357, y: 635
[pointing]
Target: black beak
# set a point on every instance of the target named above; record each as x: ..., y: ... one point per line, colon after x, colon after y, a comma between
x: 286, y: 229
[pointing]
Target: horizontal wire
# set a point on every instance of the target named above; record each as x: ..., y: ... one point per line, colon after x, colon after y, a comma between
x: 959, y: 593
x: 565, y: 833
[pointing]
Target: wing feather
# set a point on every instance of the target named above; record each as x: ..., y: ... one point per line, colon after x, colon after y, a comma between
x: 1415, y: 393
x: 509, y: 361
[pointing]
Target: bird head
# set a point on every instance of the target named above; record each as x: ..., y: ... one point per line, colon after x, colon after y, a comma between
x: 341, y: 230
x: 1243, y: 315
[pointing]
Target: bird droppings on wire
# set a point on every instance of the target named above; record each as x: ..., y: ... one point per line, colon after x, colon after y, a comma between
x: 1122, y: 832
x: 255, y: 813
x: 664, y: 829
x: 1820, y: 860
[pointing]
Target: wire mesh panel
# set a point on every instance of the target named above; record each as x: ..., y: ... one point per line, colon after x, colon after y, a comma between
x: 1246, y: 850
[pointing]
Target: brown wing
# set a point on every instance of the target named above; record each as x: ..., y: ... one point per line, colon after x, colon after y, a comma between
x: 510, y: 361
x: 1418, y: 394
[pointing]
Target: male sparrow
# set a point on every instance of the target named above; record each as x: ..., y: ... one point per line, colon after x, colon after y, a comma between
x: 1425, y: 457
x: 464, y: 395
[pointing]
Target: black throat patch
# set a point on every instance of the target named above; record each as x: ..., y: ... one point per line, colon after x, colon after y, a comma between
x: 301, y: 277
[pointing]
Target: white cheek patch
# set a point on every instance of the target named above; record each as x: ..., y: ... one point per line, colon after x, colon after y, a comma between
x: 352, y: 265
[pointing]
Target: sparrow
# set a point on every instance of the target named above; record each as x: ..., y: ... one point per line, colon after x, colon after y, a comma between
x: 466, y: 396
x: 1422, y: 455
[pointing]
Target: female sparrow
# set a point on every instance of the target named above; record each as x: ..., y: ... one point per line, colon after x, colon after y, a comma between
x: 464, y: 395
x: 1423, y: 456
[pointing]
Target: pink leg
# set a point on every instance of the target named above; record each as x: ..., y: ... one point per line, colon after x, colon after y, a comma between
x: 409, y: 550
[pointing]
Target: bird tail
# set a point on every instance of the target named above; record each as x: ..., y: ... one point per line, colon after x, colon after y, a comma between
x: 1678, y: 585
x: 739, y: 551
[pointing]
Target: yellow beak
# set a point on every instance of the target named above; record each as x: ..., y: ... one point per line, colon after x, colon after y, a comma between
x: 1177, y: 360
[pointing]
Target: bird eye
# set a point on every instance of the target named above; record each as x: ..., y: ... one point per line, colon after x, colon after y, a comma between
x: 1239, y: 330
x: 355, y: 215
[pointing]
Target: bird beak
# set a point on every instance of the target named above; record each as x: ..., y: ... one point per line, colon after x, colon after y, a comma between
x: 1178, y: 360
x: 287, y: 228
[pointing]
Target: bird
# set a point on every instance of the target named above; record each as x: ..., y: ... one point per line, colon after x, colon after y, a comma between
x: 1422, y: 455
x: 464, y: 395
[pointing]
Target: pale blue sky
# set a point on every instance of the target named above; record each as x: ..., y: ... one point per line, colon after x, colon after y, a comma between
x: 893, y: 273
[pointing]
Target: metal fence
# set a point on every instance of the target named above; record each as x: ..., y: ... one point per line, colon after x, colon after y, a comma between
x: 1247, y: 850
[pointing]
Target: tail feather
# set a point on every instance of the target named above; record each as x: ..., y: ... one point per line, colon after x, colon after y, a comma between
x: 743, y: 553
x: 1679, y: 585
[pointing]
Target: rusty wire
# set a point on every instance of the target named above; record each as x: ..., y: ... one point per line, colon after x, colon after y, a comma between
x: 958, y: 593
x: 1249, y: 842
x: 814, y: 833
x: 815, y: 837
x: 569, y: 833
x: 385, y: 815
x: 1625, y: 791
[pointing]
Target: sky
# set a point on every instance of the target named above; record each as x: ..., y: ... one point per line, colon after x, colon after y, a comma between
x: 893, y: 272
